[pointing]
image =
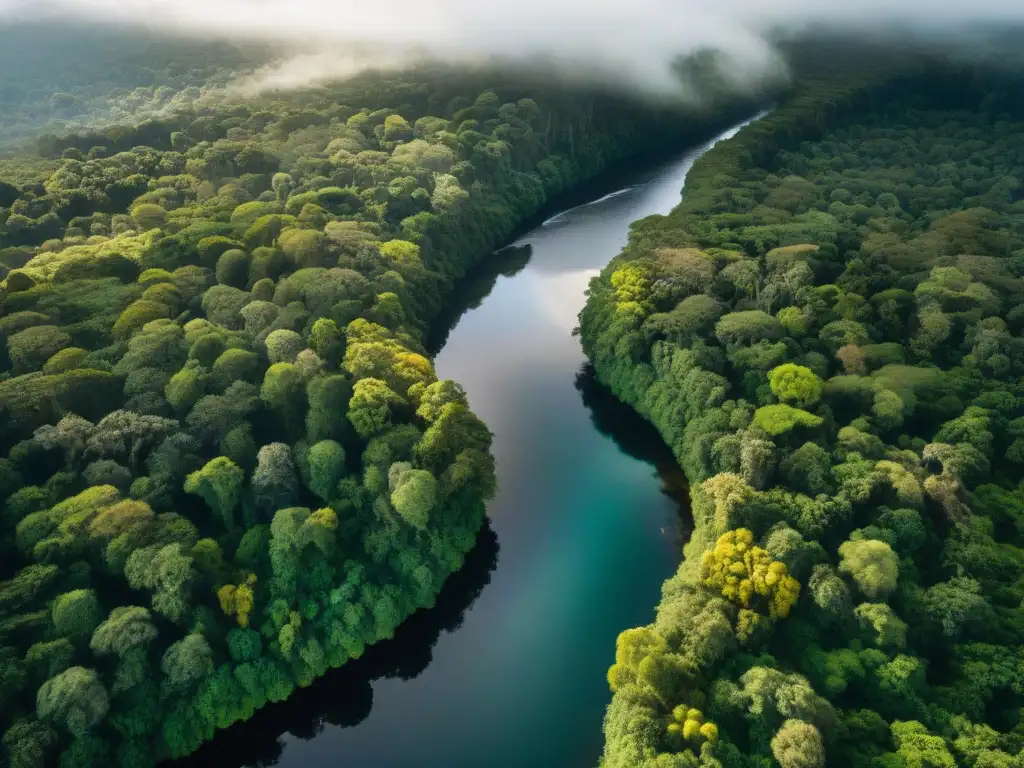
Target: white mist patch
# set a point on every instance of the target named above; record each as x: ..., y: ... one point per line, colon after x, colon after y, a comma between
x: 634, y: 44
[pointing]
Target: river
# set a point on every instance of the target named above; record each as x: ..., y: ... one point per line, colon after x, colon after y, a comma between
x: 508, y: 670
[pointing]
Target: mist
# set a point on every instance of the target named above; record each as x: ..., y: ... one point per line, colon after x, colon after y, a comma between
x: 636, y: 45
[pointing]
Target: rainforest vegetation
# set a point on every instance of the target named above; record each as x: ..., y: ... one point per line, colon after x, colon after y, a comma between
x: 226, y: 463
x: 828, y: 333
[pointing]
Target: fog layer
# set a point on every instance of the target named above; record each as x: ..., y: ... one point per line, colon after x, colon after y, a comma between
x: 633, y: 44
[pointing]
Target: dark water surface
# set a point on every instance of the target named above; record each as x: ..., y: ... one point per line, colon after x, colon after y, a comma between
x: 508, y: 671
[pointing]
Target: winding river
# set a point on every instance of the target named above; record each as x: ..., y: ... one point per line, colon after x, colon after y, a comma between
x: 508, y: 671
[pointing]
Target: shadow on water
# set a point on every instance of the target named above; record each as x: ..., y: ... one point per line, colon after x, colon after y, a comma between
x: 344, y: 697
x: 638, y: 438
x: 474, y: 288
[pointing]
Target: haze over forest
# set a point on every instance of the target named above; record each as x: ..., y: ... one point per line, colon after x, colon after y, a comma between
x: 633, y: 45
x: 231, y: 232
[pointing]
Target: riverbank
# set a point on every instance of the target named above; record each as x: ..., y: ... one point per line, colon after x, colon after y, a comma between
x: 589, y: 505
x: 824, y: 431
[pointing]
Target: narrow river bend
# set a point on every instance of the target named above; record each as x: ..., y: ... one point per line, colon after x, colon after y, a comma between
x: 509, y: 669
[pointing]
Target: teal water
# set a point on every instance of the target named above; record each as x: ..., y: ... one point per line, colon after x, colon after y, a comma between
x: 509, y: 669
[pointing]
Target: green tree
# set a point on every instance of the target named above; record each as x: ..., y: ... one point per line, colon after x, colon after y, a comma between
x: 76, y: 614
x: 127, y: 627
x: 871, y: 564
x: 186, y: 663
x: 414, y: 494
x: 149, y: 216
x: 918, y: 748
x: 219, y: 483
x: 798, y: 745
x: 795, y: 384
x: 780, y: 419
x: 75, y: 699
x: 372, y: 405
x: 326, y: 467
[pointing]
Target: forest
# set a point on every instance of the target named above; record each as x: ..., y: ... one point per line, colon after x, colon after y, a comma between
x: 226, y: 462
x: 827, y: 331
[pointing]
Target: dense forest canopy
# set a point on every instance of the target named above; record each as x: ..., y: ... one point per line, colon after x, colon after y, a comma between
x: 827, y: 332
x: 226, y: 462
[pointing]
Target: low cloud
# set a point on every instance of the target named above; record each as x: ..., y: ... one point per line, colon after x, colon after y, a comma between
x: 636, y: 44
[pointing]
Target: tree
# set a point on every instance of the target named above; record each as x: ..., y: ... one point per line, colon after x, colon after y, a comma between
x: 185, y: 387
x: 75, y: 699
x: 779, y: 419
x: 918, y: 748
x: 326, y: 467
x: 29, y: 743
x: 274, y: 483
x: 223, y: 305
x: 238, y: 600
x: 632, y: 649
x: 149, y: 216
x: 746, y: 575
x: 219, y: 483
x: 887, y: 410
x: 286, y: 545
x: 186, y: 663
x: 871, y: 564
x: 30, y: 348
x: 772, y: 696
x: 798, y: 745
x: 233, y: 268
x: 76, y: 614
x: 235, y: 365
x: 853, y: 359
x: 215, y: 415
x: 107, y: 472
x: 283, y: 389
x: 687, y: 728
x: 127, y: 627
x: 69, y: 436
x: 137, y: 314
x: 168, y: 572
x: 48, y: 659
x: 328, y: 397
x: 304, y: 247
x: 747, y: 327
x: 283, y: 346
x: 127, y: 436
x: 437, y: 395
x: 757, y: 460
x: 795, y: 384
x: 372, y: 405
x: 327, y: 341
x: 956, y: 606
x: 413, y: 494
x: 884, y: 628
x: 808, y: 469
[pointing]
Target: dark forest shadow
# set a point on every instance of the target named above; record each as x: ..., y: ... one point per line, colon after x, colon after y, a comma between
x: 638, y: 438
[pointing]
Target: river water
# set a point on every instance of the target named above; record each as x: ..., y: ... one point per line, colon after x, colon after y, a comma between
x: 508, y: 671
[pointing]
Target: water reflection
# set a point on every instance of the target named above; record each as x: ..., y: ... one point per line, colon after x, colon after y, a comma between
x: 639, y: 439
x: 474, y: 288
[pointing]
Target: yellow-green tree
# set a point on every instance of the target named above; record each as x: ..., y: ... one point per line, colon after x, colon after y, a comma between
x: 238, y: 600
x: 747, y: 576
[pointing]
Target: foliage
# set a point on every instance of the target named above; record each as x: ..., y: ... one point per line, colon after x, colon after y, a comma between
x: 227, y: 462
x: 843, y: 391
